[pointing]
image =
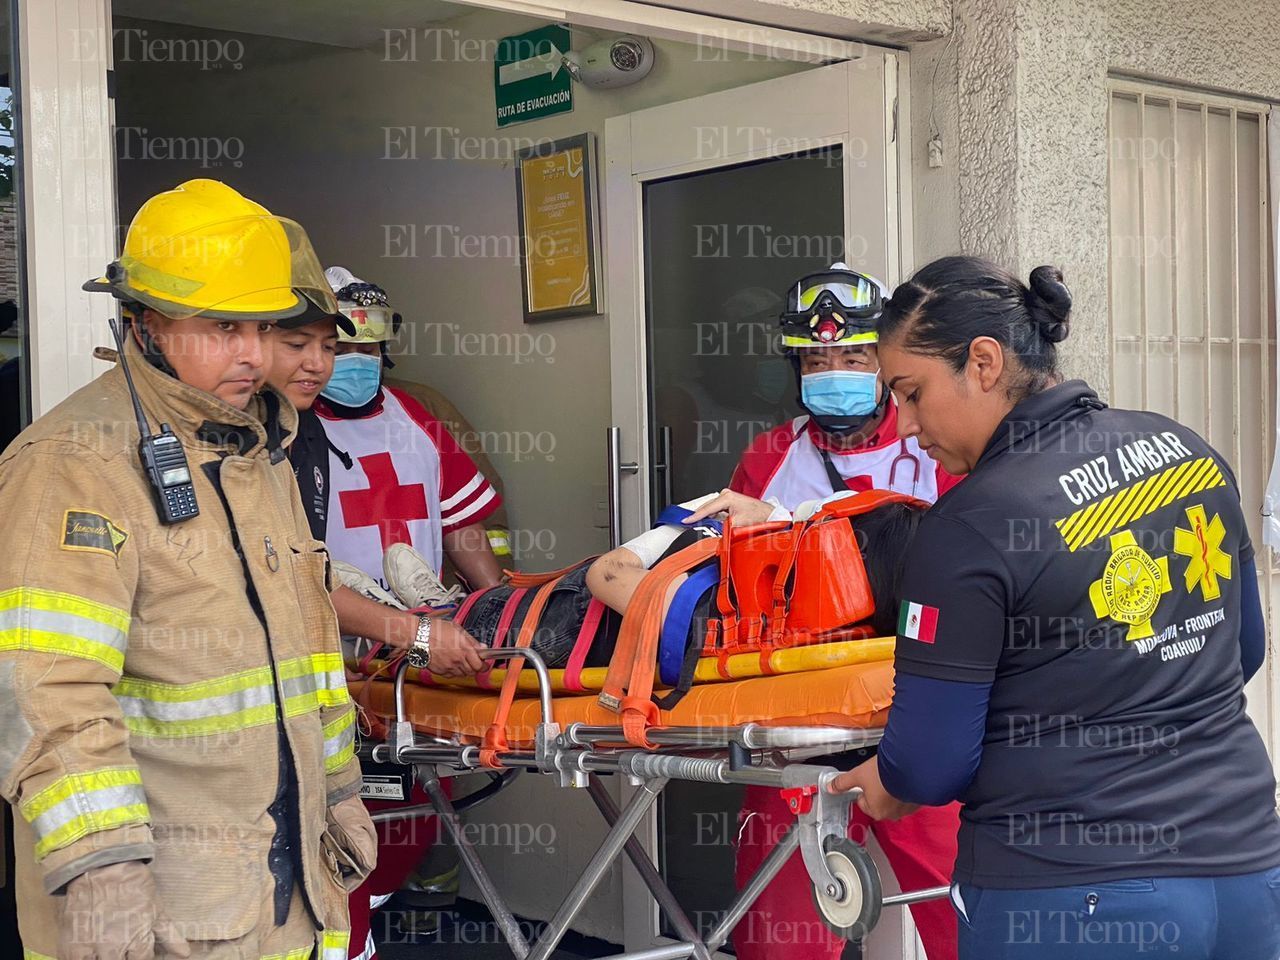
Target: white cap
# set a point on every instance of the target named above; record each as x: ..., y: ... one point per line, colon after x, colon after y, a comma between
x: 340, y: 277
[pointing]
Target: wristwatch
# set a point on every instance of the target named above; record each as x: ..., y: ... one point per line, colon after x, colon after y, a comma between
x: 419, y: 653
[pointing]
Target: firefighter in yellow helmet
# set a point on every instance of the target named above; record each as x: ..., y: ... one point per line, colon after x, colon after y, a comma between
x: 175, y: 729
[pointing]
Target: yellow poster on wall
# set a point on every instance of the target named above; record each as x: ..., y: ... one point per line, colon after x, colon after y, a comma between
x: 558, y: 247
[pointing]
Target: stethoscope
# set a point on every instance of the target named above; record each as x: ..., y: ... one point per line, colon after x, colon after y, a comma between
x: 904, y: 455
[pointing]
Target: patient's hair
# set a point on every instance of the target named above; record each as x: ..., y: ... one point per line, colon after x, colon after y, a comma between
x: 884, y: 536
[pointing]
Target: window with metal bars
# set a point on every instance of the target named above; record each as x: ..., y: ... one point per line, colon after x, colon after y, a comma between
x: 1192, y: 307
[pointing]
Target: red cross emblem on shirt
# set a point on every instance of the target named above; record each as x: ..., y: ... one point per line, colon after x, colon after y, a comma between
x: 386, y: 504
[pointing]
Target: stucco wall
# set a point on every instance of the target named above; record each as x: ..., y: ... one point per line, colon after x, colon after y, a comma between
x: 898, y: 21
x: 1032, y: 85
x: 1229, y: 45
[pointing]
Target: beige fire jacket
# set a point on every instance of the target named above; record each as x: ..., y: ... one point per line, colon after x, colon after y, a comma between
x: 144, y: 669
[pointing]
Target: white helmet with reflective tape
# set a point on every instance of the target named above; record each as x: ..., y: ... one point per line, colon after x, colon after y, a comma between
x: 365, y: 305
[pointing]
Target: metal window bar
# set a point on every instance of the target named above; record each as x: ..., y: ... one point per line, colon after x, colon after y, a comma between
x: 1181, y: 105
x: 1144, y: 328
x: 1173, y: 260
x: 1268, y: 404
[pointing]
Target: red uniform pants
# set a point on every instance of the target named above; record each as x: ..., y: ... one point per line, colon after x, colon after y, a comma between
x: 402, y: 844
x: 783, y: 925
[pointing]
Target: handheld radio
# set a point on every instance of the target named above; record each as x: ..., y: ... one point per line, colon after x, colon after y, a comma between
x: 163, y: 459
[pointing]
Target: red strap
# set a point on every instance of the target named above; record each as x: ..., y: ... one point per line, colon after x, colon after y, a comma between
x: 374, y: 650
x: 495, y: 738
x: 468, y: 603
x: 722, y: 662
x: 582, y: 646
x: 483, y: 680
x: 724, y: 593
x: 782, y: 586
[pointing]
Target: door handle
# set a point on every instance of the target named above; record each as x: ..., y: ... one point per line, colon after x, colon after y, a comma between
x: 664, y: 466
x: 616, y: 468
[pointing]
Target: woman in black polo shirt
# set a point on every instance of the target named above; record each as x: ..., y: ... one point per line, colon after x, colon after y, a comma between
x: 1078, y: 620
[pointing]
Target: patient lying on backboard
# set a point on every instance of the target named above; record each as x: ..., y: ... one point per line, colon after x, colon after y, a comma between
x: 570, y: 619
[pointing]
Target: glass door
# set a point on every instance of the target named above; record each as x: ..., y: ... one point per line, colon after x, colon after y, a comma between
x: 712, y: 207
x: 721, y: 246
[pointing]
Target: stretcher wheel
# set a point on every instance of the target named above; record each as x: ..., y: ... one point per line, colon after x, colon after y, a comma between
x: 855, y: 909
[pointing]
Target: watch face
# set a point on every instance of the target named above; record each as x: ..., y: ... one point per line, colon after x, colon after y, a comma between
x: 415, y: 657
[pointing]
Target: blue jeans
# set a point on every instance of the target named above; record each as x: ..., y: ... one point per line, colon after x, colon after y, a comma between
x: 1165, y: 918
x: 558, y: 629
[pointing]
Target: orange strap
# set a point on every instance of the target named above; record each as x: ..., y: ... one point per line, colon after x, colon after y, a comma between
x: 724, y: 593
x: 639, y: 712
x: 495, y: 738
x: 642, y: 623
x: 516, y: 579
x: 639, y: 716
x: 782, y: 586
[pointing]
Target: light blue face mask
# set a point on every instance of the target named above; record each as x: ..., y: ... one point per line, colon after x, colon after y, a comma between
x: 355, y: 380
x: 840, y: 393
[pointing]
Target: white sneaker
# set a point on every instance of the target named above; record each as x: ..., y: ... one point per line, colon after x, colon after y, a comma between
x: 413, y: 580
x: 363, y: 584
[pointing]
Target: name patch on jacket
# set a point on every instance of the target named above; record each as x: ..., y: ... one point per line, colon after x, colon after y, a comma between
x: 93, y: 532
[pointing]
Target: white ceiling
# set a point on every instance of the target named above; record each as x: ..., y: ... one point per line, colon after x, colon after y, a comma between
x: 340, y: 23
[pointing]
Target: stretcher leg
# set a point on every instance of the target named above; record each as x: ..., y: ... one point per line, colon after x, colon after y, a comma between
x: 662, y: 894
x: 467, y: 853
x: 637, y: 807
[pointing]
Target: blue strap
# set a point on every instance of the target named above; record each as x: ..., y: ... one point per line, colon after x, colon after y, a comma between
x: 675, y: 629
x: 675, y: 515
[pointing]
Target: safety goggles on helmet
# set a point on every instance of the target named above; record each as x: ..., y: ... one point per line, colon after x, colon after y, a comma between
x: 202, y: 249
x: 372, y: 324
x: 365, y: 305
x: 834, y: 307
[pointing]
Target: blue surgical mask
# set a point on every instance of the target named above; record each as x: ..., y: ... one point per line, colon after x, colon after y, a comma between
x: 355, y: 381
x: 840, y: 393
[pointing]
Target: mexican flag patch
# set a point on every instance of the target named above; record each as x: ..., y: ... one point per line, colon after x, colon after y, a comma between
x: 917, y: 621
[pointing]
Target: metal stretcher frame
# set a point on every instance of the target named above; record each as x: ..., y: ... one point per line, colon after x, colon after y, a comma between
x: 846, y: 885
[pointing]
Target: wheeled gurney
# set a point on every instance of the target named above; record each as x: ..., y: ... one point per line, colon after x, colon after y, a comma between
x: 751, y: 732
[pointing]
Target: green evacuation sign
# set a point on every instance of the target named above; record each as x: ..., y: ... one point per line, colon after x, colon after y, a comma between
x: 529, y: 80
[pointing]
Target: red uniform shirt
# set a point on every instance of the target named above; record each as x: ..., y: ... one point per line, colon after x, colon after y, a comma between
x: 409, y: 482
x: 786, y: 463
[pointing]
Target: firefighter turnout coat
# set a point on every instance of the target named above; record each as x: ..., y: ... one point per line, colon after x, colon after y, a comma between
x: 173, y: 694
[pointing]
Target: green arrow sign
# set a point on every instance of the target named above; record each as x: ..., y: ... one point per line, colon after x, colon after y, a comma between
x: 529, y: 79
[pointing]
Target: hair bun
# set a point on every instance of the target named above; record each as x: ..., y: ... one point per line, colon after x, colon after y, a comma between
x: 1049, y: 302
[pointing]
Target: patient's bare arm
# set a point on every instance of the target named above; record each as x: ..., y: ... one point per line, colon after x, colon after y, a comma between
x: 613, y: 578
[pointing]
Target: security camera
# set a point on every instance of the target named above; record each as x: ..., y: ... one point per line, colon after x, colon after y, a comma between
x: 619, y: 62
